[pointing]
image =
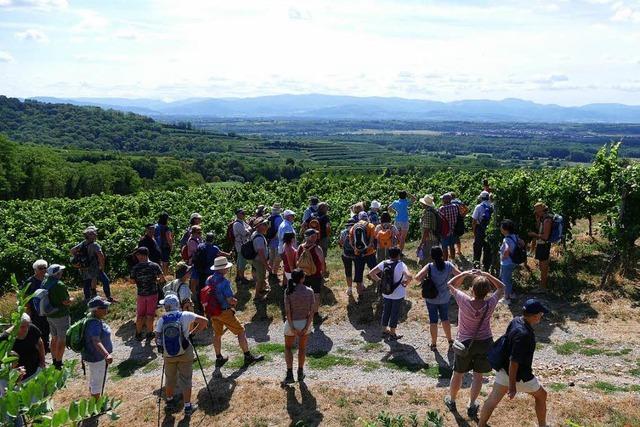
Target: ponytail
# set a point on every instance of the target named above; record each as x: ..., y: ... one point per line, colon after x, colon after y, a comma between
x: 297, y: 276
x: 438, y: 257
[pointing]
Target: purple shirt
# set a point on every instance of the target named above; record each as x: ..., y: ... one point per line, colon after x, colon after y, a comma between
x: 469, y: 316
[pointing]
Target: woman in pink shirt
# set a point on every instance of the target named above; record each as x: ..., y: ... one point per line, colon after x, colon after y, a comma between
x: 474, y: 331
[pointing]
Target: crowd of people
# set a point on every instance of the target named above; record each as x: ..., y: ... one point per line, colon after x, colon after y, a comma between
x: 201, y: 292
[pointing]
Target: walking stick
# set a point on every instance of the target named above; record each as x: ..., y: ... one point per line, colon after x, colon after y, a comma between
x: 206, y: 383
x: 104, y: 379
x: 160, y: 391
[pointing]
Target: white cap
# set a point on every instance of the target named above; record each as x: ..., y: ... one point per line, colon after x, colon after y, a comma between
x: 25, y: 318
x: 288, y: 212
x: 375, y: 204
x: 54, y: 269
x: 194, y: 216
x: 484, y: 195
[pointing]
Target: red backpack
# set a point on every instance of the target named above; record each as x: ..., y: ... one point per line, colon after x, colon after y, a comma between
x: 209, y: 300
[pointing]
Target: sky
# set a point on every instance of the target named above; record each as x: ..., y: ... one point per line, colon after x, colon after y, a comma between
x: 567, y: 52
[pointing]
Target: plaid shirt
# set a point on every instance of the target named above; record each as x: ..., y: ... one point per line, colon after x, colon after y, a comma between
x: 450, y: 213
x: 428, y: 222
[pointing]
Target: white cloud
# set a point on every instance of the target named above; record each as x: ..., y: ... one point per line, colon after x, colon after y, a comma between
x: 5, y: 56
x: 296, y: 14
x: 32, y: 35
x: 127, y: 34
x: 90, y: 21
x: 626, y: 12
x: 35, y: 4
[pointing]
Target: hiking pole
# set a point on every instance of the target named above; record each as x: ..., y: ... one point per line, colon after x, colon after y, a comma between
x: 206, y: 383
x: 160, y: 391
x: 104, y: 378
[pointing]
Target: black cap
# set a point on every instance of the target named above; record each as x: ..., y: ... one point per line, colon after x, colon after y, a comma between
x: 533, y: 306
x: 239, y: 211
x: 142, y: 250
x: 210, y: 237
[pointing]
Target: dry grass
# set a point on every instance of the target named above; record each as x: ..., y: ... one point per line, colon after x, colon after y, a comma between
x: 259, y: 403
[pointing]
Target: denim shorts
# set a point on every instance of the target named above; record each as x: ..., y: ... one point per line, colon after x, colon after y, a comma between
x: 448, y: 241
x: 402, y: 225
x: 438, y: 311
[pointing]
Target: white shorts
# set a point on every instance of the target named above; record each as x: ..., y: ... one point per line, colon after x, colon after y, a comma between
x: 531, y: 386
x: 297, y: 324
x: 95, y: 372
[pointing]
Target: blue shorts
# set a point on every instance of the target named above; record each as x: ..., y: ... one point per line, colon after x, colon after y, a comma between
x: 438, y: 311
x: 165, y: 254
x: 448, y: 241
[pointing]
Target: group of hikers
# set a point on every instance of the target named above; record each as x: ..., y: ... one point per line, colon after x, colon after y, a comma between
x: 201, y: 292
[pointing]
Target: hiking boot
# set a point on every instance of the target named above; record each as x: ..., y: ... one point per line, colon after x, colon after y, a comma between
x: 395, y: 337
x: 188, y: 410
x: 450, y: 404
x: 349, y: 291
x: 472, y: 411
x: 171, y: 405
x: 288, y: 379
x: 139, y: 336
x: 250, y: 359
x: 150, y: 335
x: 300, y: 374
x: 220, y: 361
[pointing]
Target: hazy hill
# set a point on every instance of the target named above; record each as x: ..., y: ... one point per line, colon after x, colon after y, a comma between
x: 314, y: 106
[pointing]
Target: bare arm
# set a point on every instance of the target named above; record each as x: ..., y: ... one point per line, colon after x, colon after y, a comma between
x: 95, y: 340
x: 41, y: 353
x: 374, y: 274
x: 513, y: 372
x: 458, y: 279
x: 422, y: 273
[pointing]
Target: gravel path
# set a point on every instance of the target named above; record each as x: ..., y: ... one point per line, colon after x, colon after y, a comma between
x: 357, y: 357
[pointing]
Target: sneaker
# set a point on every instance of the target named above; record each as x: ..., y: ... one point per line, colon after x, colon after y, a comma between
x: 394, y: 337
x: 188, y: 410
x: 151, y: 335
x: 300, y: 375
x: 139, y: 336
x: 250, y: 359
x: 450, y: 404
x: 288, y: 379
x: 349, y: 291
x: 111, y: 300
x: 220, y: 361
x: 472, y: 411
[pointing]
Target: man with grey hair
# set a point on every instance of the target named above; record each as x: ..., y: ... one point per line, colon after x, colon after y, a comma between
x: 28, y: 345
x: 89, y: 259
x: 35, y: 282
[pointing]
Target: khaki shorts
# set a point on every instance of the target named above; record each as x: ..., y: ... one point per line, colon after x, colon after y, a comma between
x: 179, y: 369
x: 531, y: 386
x: 227, y: 318
x: 58, y: 326
x: 297, y: 324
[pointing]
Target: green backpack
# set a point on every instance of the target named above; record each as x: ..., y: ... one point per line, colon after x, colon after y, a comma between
x: 75, y: 334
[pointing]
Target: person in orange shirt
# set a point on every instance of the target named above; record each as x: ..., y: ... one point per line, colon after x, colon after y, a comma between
x: 362, y: 237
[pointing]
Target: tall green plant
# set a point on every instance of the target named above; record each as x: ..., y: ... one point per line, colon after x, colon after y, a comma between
x: 30, y: 401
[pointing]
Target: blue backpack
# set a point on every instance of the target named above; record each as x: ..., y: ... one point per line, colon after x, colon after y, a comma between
x: 486, y: 215
x: 40, y: 299
x: 173, y: 339
x: 557, y: 229
x: 498, y: 358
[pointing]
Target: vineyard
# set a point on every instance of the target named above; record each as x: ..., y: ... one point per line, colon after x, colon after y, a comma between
x: 48, y: 228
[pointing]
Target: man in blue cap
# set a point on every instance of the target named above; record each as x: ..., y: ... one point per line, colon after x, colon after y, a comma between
x: 172, y: 338
x: 97, y: 349
x: 517, y: 375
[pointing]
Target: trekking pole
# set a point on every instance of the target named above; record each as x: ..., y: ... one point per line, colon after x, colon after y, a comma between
x: 160, y: 391
x: 206, y: 383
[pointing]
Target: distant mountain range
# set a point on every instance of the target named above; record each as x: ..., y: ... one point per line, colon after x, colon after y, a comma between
x: 332, y: 107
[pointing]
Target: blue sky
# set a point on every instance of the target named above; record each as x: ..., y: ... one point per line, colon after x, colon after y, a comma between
x: 569, y: 52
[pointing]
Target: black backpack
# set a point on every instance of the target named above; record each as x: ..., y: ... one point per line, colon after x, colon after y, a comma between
x: 429, y: 288
x: 519, y: 254
x: 387, y: 284
x: 247, y: 250
x: 272, y: 232
x: 360, y: 237
x: 199, y: 259
x: 81, y: 258
x: 459, y: 229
